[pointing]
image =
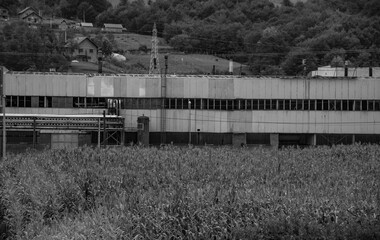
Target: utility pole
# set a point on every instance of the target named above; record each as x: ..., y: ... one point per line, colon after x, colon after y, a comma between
x: 154, y: 67
x: 2, y: 86
x: 189, y: 122
x: 163, y: 100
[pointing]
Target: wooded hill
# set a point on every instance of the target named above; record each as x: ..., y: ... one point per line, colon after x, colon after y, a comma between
x: 271, y: 38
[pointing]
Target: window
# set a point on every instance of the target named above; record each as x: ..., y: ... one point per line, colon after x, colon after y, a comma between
x: 261, y: 104
x: 80, y: 50
x: 306, y: 105
x: 230, y: 104
x: 371, y: 105
x: 91, y: 50
x: 325, y: 104
x: 172, y: 103
x: 312, y: 105
x: 268, y: 104
x: 287, y: 104
x: 198, y: 103
x: 211, y: 103
x: 242, y: 104
x: 293, y: 104
x: 365, y: 105
x: 357, y: 105
x: 319, y: 105
x: 255, y: 104
x: 377, y: 105
x: 345, y: 105
x: 21, y: 101
x: 351, y: 105
x: 274, y: 104
x: 217, y: 104
x: 338, y: 105
x: 236, y: 104
x: 223, y: 104
x: 165, y: 101
x: 281, y: 105
x: 249, y: 104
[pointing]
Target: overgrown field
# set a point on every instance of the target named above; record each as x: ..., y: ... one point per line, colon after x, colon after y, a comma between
x: 192, y: 193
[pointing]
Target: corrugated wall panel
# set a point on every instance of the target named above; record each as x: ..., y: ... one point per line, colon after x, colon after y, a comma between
x: 187, y: 88
x: 225, y: 123
x: 238, y: 93
x: 117, y: 86
x: 193, y: 93
x: 133, y: 86
x: 124, y: 86
x: 153, y: 87
x: 344, y: 90
x: 351, y: 88
x: 366, y: 92
x: 377, y: 88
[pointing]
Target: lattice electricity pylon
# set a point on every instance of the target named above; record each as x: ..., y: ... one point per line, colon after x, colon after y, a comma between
x: 154, y: 67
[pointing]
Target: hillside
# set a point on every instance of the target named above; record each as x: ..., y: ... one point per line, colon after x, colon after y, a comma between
x: 270, y: 36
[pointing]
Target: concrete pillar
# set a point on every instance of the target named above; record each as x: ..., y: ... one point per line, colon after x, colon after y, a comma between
x: 353, y: 138
x: 274, y: 140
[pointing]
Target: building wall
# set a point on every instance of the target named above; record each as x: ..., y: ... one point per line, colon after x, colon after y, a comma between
x: 33, y: 19
x: 353, y: 121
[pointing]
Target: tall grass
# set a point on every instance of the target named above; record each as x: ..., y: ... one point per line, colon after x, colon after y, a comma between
x: 193, y: 193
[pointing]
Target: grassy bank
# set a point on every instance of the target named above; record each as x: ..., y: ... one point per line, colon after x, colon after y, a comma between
x: 192, y: 193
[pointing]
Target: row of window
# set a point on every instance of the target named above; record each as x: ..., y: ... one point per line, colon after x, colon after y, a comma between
x: 201, y: 104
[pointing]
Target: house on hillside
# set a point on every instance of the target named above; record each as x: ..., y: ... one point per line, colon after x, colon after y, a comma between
x: 83, y: 49
x: 113, y: 28
x: 85, y: 26
x: 30, y: 15
x: 4, y: 13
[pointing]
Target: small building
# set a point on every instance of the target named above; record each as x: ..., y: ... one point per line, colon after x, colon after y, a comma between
x: 63, y: 25
x: 85, y: 26
x: 33, y: 18
x: 113, y: 28
x: 30, y: 15
x: 82, y: 48
x: 329, y: 71
x: 4, y: 13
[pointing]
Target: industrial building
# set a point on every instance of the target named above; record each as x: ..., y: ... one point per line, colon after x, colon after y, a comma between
x: 52, y: 109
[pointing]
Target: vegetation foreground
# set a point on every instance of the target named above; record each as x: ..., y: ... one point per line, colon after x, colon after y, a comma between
x: 192, y: 193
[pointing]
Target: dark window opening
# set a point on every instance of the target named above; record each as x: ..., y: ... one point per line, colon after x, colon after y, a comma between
x: 268, y: 104
x: 287, y: 104
x: 351, y: 105
x: 249, y: 104
x: 236, y: 104
x: 261, y: 104
x: 197, y: 103
x: 281, y: 105
x: 173, y: 103
x: 255, y: 104
x: 338, y: 105
x: 242, y: 104
x: 217, y: 104
x: 364, y: 105
x: 306, y: 104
